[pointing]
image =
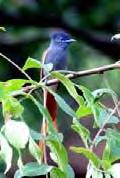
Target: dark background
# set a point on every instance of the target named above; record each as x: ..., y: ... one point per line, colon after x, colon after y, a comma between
x: 28, y: 24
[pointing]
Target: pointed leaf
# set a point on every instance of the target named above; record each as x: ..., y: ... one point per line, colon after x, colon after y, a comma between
x: 57, y: 173
x: 64, y: 106
x: 81, y: 130
x: 88, y: 154
x: 31, y: 63
x: 87, y: 94
x: 83, y: 111
x: 11, y: 106
x: 100, y: 92
x: 35, y: 150
x: 113, y: 140
x: 59, y: 152
x: 5, y: 152
x: 33, y: 169
x: 61, y: 102
x: 47, y: 116
x: 36, y: 135
x: 69, y: 86
x: 70, y: 172
x: 100, y: 115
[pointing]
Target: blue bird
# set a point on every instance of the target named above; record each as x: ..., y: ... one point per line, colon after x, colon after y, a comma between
x: 56, y: 54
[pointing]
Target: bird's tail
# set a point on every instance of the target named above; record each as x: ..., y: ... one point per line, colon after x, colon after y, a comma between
x: 51, y: 106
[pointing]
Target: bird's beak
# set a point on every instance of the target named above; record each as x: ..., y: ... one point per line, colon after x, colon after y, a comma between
x: 70, y: 40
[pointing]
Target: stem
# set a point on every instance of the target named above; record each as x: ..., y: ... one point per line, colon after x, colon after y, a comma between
x: 102, y: 127
x: 99, y: 132
x: 115, y: 99
x: 14, y: 64
x: 44, y: 130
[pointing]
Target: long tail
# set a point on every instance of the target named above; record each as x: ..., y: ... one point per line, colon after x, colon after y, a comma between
x: 51, y: 105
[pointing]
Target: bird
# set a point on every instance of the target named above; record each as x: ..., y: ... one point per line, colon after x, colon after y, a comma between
x: 56, y: 53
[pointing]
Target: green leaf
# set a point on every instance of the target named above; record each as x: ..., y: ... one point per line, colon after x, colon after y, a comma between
x: 59, y: 153
x: 16, y: 84
x: 36, y: 135
x: 100, y: 115
x: 31, y: 63
x: 106, y: 152
x: 64, y: 106
x: 57, y: 173
x: 88, y: 154
x: 106, y: 162
x: 61, y: 102
x: 11, y: 106
x: 87, y: 95
x: 17, y: 133
x: 47, y: 116
x: 113, y: 140
x: 35, y: 150
x: 69, y: 86
x: 81, y: 130
x: 70, y: 172
x: 83, y: 111
x: 100, y: 92
x: 12, y: 86
x: 5, y: 152
x: 33, y: 169
x: 2, y: 91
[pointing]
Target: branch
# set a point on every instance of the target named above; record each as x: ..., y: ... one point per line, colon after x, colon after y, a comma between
x: 16, y: 66
x: 74, y: 74
x: 98, y: 70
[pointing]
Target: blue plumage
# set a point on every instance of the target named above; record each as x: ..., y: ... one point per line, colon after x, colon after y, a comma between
x: 57, y: 51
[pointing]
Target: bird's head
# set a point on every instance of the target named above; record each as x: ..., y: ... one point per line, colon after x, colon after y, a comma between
x: 61, y: 39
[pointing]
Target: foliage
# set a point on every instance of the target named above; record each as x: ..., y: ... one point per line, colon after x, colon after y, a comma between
x: 17, y: 135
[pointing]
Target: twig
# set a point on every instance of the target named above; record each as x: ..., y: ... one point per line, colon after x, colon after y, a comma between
x: 115, y: 99
x: 102, y: 127
x: 99, y: 132
x: 22, y: 71
x: 75, y: 74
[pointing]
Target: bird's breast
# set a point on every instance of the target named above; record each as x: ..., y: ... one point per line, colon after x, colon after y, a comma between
x: 58, y: 57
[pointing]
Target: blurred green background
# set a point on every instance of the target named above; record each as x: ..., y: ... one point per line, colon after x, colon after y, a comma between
x: 28, y: 24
